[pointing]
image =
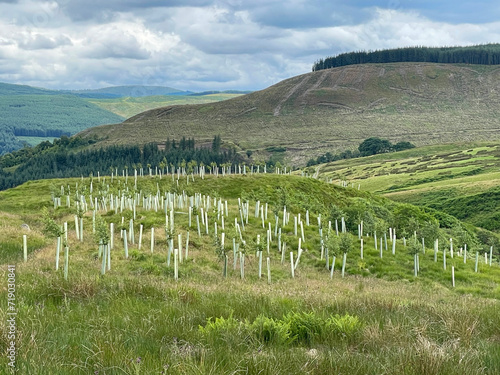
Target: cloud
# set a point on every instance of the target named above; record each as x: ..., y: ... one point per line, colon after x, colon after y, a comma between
x: 215, y: 44
x: 113, y: 41
x: 39, y: 41
x: 93, y: 10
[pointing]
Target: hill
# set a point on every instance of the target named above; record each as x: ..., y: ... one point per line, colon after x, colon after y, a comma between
x: 459, y: 178
x: 32, y: 115
x: 336, y: 109
x: 128, y: 106
x: 234, y: 305
x: 133, y: 91
x: 10, y: 89
x: 31, y: 112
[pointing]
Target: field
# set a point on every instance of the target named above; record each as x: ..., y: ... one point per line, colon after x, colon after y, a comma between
x: 135, y: 317
x: 461, y: 178
x: 128, y: 107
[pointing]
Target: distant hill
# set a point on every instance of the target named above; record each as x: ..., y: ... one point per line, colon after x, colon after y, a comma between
x: 32, y: 115
x: 203, y: 93
x: 135, y: 91
x: 336, y: 109
x: 10, y: 89
x: 27, y: 112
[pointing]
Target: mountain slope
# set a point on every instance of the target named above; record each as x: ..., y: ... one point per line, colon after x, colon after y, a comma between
x: 11, y: 89
x: 29, y: 112
x: 335, y: 109
x: 128, y: 106
x: 460, y: 179
x: 133, y: 91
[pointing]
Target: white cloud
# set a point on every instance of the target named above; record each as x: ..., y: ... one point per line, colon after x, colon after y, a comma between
x: 202, y: 44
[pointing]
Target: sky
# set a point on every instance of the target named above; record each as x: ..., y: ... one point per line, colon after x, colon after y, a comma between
x: 201, y: 45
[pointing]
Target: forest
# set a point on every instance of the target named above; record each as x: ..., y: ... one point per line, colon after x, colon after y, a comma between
x: 48, y: 115
x: 485, y: 54
x: 64, y: 158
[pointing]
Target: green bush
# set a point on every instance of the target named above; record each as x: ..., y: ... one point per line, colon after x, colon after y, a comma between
x: 270, y: 331
x: 229, y: 331
x: 345, y: 326
x: 137, y: 255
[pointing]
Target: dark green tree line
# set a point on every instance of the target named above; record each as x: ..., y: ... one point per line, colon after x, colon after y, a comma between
x: 64, y: 159
x: 486, y: 54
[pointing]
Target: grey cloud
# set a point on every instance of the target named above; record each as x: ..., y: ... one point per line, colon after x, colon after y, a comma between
x: 308, y: 14
x: 101, y: 11
x: 114, y: 45
x: 38, y: 41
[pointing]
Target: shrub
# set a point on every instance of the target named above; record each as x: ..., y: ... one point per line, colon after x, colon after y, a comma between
x: 270, y: 331
x: 231, y: 331
x: 345, y: 326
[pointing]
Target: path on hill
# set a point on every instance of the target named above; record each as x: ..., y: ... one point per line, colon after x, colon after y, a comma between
x: 289, y: 94
x: 316, y: 85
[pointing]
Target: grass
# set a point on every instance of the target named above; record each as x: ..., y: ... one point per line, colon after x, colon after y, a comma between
x: 33, y: 141
x: 128, y: 107
x: 460, y: 179
x: 136, y: 319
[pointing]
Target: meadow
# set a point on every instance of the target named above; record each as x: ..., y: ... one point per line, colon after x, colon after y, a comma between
x: 145, y: 311
x: 458, y: 178
x: 128, y: 106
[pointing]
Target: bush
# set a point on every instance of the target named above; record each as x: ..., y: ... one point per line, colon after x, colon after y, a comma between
x: 270, y: 331
x: 231, y: 331
x: 345, y: 326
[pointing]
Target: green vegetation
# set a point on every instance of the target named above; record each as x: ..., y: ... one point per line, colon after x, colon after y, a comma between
x: 46, y: 115
x: 460, y: 179
x: 135, y: 319
x: 370, y: 146
x: 65, y: 158
x: 485, y: 54
x: 127, y: 107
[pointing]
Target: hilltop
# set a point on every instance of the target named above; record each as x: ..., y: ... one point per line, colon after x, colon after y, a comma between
x: 334, y: 110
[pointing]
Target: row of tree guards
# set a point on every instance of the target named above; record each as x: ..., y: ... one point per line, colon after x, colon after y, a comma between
x: 210, y: 216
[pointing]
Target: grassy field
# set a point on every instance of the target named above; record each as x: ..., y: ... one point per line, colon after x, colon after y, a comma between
x: 128, y: 107
x: 33, y: 141
x: 137, y: 319
x: 336, y: 109
x: 461, y: 178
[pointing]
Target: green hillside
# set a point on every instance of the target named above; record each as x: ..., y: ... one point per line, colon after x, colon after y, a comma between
x: 461, y: 179
x: 134, y: 91
x: 145, y: 311
x: 47, y: 116
x: 335, y: 109
x: 129, y: 106
x: 10, y: 89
